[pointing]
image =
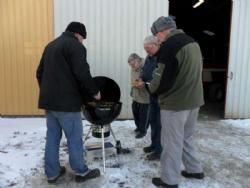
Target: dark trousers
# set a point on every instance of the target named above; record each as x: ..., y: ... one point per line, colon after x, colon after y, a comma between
x: 140, y: 113
x: 155, y: 124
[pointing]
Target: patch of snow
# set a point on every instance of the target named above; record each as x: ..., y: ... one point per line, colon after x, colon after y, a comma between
x: 243, y: 124
x: 224, y: 152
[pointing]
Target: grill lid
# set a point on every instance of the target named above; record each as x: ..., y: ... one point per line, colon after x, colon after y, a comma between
x: 108, y: 108
x: 109, y: 89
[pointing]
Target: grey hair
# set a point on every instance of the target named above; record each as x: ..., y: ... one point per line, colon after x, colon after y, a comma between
x: 151, y: 40
x: 134, y: 56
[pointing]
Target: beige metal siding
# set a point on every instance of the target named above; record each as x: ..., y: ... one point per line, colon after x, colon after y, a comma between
x: 238, y: 86
x: 115, y: 29
x: 26, y: 26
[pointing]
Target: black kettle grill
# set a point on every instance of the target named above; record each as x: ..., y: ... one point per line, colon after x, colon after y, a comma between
x: 101, y: 113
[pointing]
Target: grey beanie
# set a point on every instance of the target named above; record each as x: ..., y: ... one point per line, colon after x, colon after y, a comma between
x: 163, y: 23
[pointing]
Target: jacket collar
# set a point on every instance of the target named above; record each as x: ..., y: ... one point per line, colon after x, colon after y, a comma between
x: 172, y: 33
x: 69, y: 34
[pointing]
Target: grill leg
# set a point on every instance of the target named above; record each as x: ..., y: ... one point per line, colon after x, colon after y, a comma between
x: 103, y: 150
x: 118, y: 143
x: 88, y: 133
x: 113, y: 134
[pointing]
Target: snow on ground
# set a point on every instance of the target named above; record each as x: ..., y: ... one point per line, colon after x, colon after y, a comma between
x: 224, y: 148
x: 245, y: 123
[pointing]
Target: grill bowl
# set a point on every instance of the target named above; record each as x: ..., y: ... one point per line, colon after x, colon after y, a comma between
x: 108, y: 108
x: 101, y: 113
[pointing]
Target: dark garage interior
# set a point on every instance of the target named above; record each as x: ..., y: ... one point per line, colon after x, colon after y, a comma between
x: 208, y: 22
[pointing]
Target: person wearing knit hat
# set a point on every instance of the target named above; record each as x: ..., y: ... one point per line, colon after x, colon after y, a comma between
x: 162, y: 25
x: 65, y: 81
x: 177, y: 80
x: 77, y: 27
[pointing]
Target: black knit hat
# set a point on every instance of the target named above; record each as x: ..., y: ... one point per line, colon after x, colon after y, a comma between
x: 77, y: 27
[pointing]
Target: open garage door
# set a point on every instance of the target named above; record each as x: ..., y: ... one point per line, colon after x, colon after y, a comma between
x: 208, y: 22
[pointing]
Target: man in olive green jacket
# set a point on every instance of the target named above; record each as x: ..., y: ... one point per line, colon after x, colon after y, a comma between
x: 178, y: 83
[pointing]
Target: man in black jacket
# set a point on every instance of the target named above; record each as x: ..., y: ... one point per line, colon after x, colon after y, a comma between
x: 65, y: 81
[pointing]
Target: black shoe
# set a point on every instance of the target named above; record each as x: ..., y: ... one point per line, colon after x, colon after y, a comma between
x: 148, y: 149
x: 91, y: 174
x: 153, y: 156
x: 136, y: 130
x: 140, y: 135
x: 192, y: 175
x: 159, y: 183
x: 62, y: 172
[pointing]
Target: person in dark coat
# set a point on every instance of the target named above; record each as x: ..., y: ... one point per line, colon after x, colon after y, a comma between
x: 65, y: 81
x: 151, y: 46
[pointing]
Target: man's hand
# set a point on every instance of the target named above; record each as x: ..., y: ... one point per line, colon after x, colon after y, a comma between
x: 138, y: 84
x: 134, y: 83
x: 98, y: 96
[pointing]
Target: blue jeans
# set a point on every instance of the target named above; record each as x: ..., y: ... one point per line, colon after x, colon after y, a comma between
x: 71, y: 124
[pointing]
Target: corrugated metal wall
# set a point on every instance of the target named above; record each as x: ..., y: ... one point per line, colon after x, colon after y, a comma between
x: 115, y: 29
x: 238, y: 86
x: 26, y: 26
